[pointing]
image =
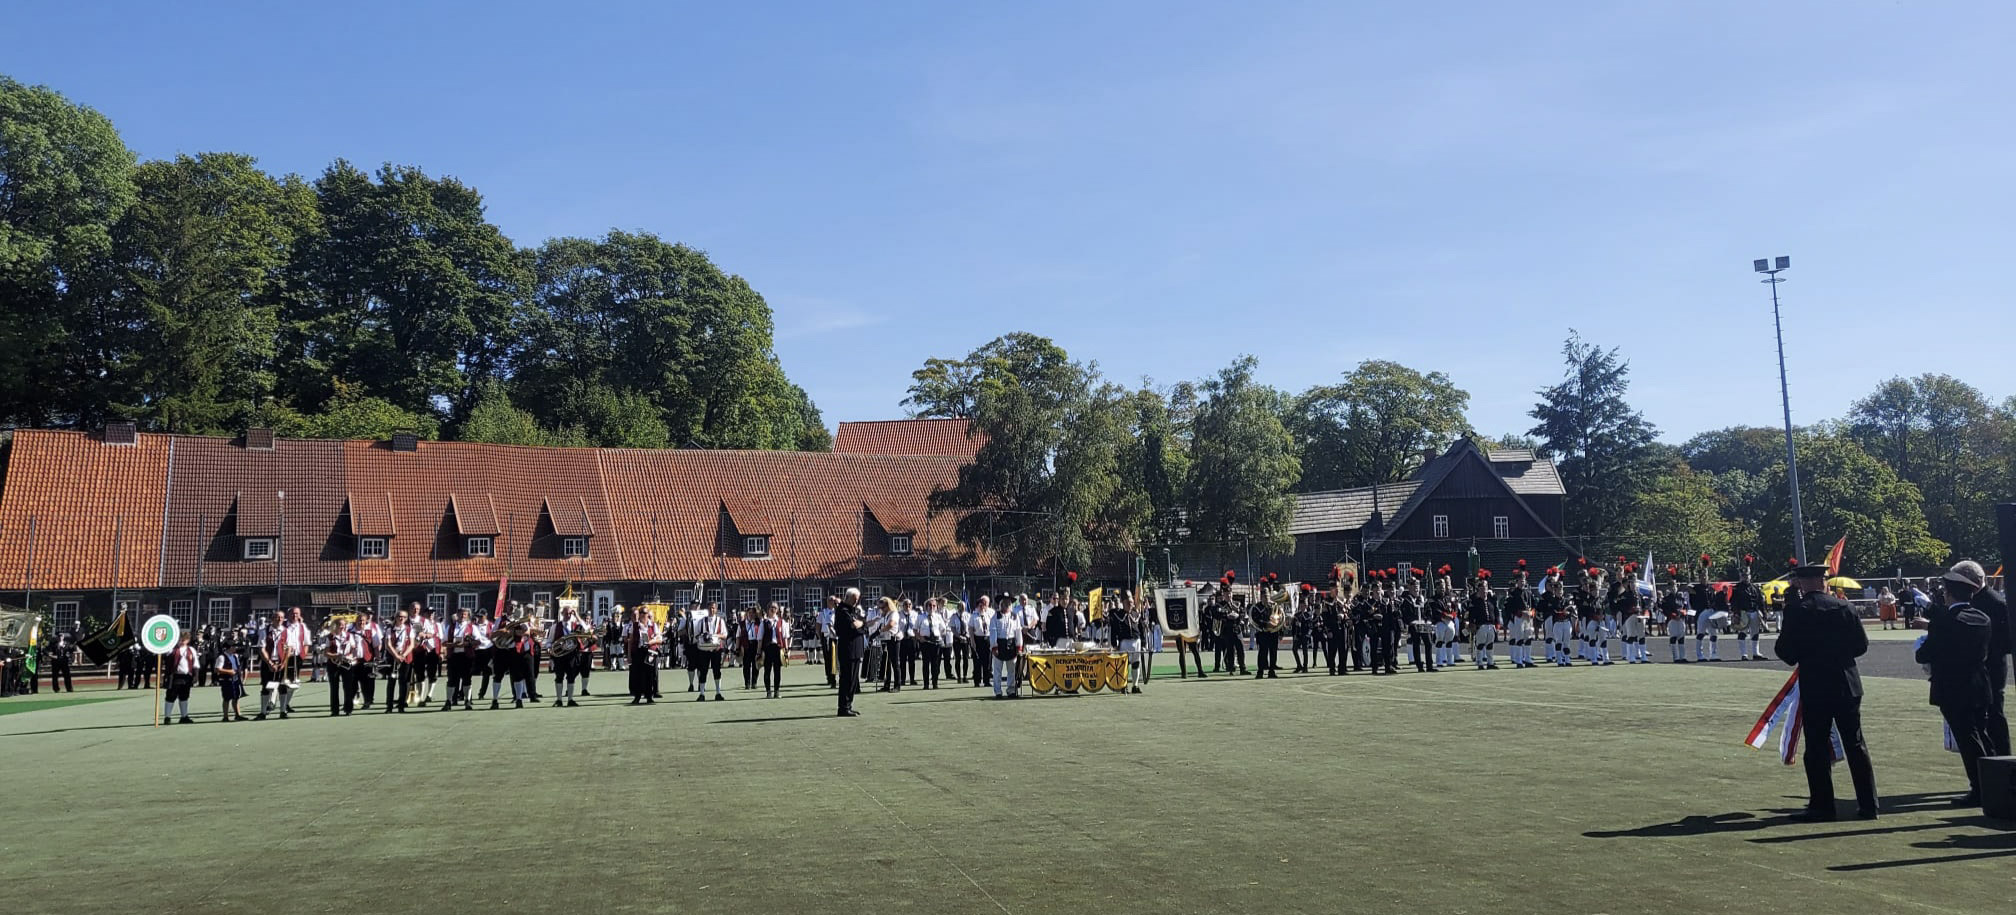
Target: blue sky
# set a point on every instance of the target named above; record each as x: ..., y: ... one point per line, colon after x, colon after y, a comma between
x: 1163, y: 186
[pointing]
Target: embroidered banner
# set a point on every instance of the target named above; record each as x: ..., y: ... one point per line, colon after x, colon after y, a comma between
x: 1076, y: 674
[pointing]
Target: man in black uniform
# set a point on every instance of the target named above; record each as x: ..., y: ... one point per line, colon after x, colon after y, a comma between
x: 58, y: 663
x: 1266, y: 638
x: 1231, y: 635
x: 850, y: 642
x: 1822, y: 636
x: 1966, y: 582
x: 1955, y: 649
x: 1337, y: 637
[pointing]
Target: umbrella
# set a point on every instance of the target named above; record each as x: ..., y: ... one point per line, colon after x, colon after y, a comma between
x: 1844, y: 583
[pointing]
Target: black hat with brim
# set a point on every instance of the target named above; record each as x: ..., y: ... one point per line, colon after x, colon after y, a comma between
x: 1810, y: 572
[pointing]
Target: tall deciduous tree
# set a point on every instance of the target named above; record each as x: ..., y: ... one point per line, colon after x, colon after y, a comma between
x: 1938, y: 433
x: 1602, y: 444
x: 1844, y: 491
x: 65, y: 180
x: 1678, y: 515
x: 1378, y: 426
x: 1242, y: 464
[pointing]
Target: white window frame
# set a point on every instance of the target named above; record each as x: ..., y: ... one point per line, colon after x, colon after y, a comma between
x: 1405, y: 569
x: 219, y: 606
x: 466, y: 601
x: 814, y: 598
x: 574, y: 547
x: 750, y: 597
x: 871, y: 594
x: 374, y: 548
x: 899, y: 544
x: 436, y: 601
x: 682, y: 597
x: 1439, y: 525
x: 1501, y: 527
x: 781, y: 596
x: 388, y: 604
x: 481, y: 548
x: 184, y: 612
x: 756, y: 545
x: 64, y: 614
x: 264, y: 551
x: 543, y: 598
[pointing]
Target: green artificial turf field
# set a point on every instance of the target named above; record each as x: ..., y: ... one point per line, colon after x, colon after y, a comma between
x: 1624, y: 789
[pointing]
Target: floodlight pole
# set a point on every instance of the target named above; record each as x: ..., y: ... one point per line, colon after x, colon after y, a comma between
x: 1772, y: 278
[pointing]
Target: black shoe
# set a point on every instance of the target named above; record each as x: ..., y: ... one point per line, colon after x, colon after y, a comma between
x: 557, y: 703
x: 1273, y: 676
x: 636, y: 702
x: 850, y: 713
x: 1259, y: 675
x: 585, y: 692
x: 493, y: 705
x: 700, y: 698
x: 572, y: 704
x: 518, y: 703
x: 1865, y: 813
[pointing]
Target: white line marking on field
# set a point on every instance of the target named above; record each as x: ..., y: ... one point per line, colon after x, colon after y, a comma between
x: 934, y: 848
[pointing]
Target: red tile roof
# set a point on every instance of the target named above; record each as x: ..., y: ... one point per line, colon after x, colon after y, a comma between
x: 371, y: 514
x: 84, y: 498
x: 475, y: 514
x: 916, y: 437
x: 569, y: 517
x: 257, y: 513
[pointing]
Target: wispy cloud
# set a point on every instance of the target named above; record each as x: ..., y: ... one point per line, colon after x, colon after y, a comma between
x: 811, y: 316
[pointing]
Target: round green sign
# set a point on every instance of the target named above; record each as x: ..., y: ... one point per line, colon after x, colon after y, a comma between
x: 160, y: 633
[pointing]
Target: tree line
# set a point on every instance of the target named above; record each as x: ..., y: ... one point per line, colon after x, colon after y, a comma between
x: 1073, y: 462
x: 202, y: 295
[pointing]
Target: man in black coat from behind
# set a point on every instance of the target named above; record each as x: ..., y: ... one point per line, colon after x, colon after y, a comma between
x: 1966, y: 582
x: 850, y: 642
x: 1822, y: 636
x: 1956, y: 654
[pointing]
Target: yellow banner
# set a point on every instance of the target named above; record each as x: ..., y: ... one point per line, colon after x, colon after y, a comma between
x: 341, y: 620
x: 1093, y: 609
x: 659, y: 612
x: 1076, y: 674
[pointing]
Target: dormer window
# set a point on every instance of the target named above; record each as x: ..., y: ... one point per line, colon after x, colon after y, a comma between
x: 573, y: 547
x: 756, y: 547
x: 258, y: 548
x: 371, y: 548
x: 899, y: 544
x: 479, y: 547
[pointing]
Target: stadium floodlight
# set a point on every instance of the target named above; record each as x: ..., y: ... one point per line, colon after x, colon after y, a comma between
x: 1770, y: 268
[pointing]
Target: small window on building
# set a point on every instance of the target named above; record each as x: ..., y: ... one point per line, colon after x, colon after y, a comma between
x: 220, y: 611
x: 465, y: 601
x: 388, y: 604
x: 1501, y: 527
x: 184, y: 612
x: 781, y: 597
x: 682, y: 597
x: 814, y: 598
x: 756, y: 546
x: 872, y: 594
x: 542, y: 599
x: 573, y: 546
x: 257, y: 548
x: 899, y: 543
x: 748, y: 598
x: 64, y: 614
x: 437, y: 602
x: 479, y: 547
x: 371, y: 548
x: 1441, y: 524
x: 1406, y: 569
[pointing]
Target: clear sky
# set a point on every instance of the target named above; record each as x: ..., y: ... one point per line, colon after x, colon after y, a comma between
x: 1162, y: 186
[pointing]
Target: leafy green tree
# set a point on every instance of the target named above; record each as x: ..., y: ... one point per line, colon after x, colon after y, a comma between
x: 1154, y: 463
x: 348, y: 413
x: 1678, y: 515
x: 1378, y: 426
x: 1846, y: 491
x: 65, y: 180
x: 1938, y: 433
x: 1242, y: 464
x: 1602, y: 444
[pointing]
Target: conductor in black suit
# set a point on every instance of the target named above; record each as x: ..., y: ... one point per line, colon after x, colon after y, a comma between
x: 850, y: 641
x: 1822, y: 636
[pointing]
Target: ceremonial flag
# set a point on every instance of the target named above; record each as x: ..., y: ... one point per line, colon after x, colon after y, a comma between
x: 1834, y: 556
x: 503, y: 586
x: 100, y: 646
x: 1093, y: 609
x: 1648, y: 586
x: 1782, y: 716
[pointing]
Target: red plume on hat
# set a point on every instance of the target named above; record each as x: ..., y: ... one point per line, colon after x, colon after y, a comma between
x: 1521, y: 564
x: 1705, y: 560
x: 1189, y: 584
x: 1307, y: 587
x: 1071, y: 577
x: 1672, y: 570
x: 1231, y: 574
x: 1793, y: 562
x: 1582, y: 560
x: 1420, y: 572
x: 1620, y: 560
x: 1748, y: 559
x: 1484, y: 574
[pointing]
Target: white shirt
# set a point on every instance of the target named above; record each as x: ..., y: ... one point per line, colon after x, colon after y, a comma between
x: 1005, y: 629
x: 934, y: 625
x: 185, y: 660
x: 826, y: 621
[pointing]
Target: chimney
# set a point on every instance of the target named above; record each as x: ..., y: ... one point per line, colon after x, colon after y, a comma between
x: 121, y: 434
x: 405, y: 441
x: 257, y: 439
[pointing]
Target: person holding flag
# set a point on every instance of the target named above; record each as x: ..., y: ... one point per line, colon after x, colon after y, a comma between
x: 1822, y: 637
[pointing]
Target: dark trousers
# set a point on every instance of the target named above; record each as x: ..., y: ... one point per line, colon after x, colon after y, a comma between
x: 983, y: 665
x: 892, y: 664
x: 1267, y: 645
x: 1970, y: 725
x: 910, y: 651
x: 1821, y: 715
x: 1234, y: 652
x: 1196, y: 653
x: 1422, y: 643
x: 342, y: 688
x: 773, y: 667
x: 365, y: 682
x: 826, y: 651
x: 850, y: 681
x: 458, y: 678
x: 639, y: 664
x: 1383, y: 646
x: 752, y: 659
x: 931, y: 652
x: 961, y: 656
x: 59, y: 673
x: 1337, y: 653
x: 705, y: 660
x: 397, y: 684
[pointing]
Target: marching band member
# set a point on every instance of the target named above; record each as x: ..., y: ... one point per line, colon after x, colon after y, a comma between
x: 1005, y: 638
x: 339, y: 656
x: 933, y: 629
x: 776, y: 638
x: 749, y: 645
x: 979, y: 623
x: 1706, y: 623
x: 1519, y: 620
x: 1633, y: 627
x: 640, y: 634
x: 273, y: 669
x: 849, y: 643
x: 912, y: 647
x: 503, y: 660
x: 1123, y: 627
x: 890, y: 628
x: 400, y: 648
x: 826, y: 637
x: 227, y: 669
x: 570, y: 666
x: 370, y: 640
x: 1674, y: 607
x: 959, y: 638
x: 1746, y: 607
x: 427, y: 656
x: 300, y: 641
x: 467, y: 639
x: 1559, y: 618
x: 1483, y: 613
x: 182, y: 665
x: 709, y: 634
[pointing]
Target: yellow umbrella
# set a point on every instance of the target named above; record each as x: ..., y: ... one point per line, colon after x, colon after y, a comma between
x: 1844, y: 583
x: 1772, y: 589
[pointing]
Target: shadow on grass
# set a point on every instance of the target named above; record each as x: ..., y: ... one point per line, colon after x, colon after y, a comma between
x: 775, y: 719
x: 1705, y: 824
x: 1999, y: 845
